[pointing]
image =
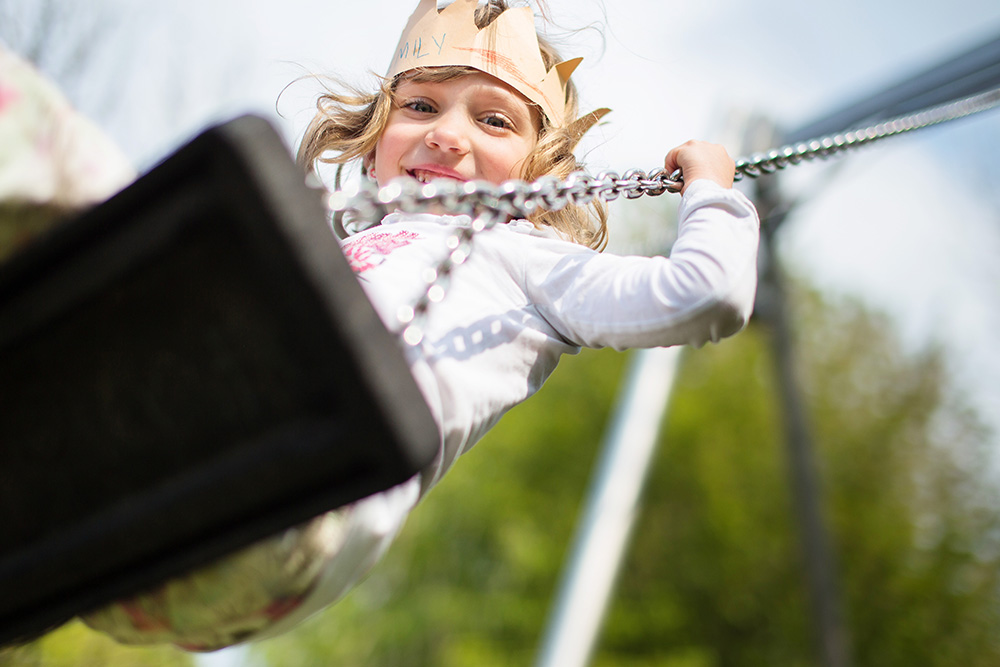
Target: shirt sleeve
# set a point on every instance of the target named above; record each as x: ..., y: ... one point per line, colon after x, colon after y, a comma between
x: 702, y: 292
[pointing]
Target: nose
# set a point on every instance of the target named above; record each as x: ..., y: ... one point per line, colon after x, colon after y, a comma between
x: 448, y: 133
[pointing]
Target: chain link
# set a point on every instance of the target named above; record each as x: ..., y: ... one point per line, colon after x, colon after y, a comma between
x: 488, y: 203
x: 517, y: 199
x: 823, y: 147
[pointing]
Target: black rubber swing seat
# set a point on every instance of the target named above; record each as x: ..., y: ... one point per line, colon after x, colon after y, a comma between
x: 184, y: 369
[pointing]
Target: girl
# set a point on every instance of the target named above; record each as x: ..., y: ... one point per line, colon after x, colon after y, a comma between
x: 472, y: 94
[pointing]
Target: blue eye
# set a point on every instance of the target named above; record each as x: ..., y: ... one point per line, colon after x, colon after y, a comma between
x: 496, y: 121
x: 419, y: 106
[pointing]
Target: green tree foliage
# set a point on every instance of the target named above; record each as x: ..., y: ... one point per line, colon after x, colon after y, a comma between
x: 912, y: 511
x: 714, y: 576
x: 75, y: 645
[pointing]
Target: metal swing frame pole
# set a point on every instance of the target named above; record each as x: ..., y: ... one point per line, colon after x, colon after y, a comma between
x: 966, y: 74
x: 607, y: 521
x: 821, y: 572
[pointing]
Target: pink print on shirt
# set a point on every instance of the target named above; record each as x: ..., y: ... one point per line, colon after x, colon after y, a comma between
x: 369, y: 250
x: 8, y: 95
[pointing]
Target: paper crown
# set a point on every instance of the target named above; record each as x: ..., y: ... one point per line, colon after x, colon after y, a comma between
x: 507, y: 48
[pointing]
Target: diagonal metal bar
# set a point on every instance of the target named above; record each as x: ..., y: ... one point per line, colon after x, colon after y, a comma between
x: 605, y: 526
x: 831, y: 633
x: 965, y: 74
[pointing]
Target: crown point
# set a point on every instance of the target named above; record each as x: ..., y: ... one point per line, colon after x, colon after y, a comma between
x: 566, y: 68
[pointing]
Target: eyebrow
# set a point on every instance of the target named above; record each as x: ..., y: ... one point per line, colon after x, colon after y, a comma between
x: 499, y: 92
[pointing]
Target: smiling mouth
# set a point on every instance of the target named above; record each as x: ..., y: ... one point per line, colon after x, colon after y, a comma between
x: 425, y: 176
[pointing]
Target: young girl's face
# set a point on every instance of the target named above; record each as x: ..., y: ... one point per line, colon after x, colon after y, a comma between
x: 468, y: 128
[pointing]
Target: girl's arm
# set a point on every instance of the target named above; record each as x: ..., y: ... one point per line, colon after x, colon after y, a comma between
x: 703, y: 292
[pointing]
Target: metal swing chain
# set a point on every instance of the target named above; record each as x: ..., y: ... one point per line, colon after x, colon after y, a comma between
x: 779, y: 158
x: 488, y: 203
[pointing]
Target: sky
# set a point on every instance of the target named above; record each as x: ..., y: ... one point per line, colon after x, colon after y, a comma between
x: 911, y: 226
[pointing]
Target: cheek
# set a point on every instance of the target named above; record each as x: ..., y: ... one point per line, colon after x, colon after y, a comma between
x: 384, y: 158
x: 387, y: 153
x: 511, y: 164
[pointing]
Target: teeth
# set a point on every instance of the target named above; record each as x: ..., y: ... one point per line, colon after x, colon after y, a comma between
x: 424, y: 176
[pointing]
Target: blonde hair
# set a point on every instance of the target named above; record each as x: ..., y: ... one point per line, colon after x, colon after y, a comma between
x: 347, y: 126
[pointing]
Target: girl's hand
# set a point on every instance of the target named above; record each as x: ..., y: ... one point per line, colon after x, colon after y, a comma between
x: 700, y: 159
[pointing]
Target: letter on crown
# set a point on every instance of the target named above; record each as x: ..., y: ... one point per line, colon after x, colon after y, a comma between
x: 507, y: 49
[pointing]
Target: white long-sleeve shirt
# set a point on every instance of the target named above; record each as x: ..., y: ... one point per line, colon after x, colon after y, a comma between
x: 522, y: 300
x: 525, y: 297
